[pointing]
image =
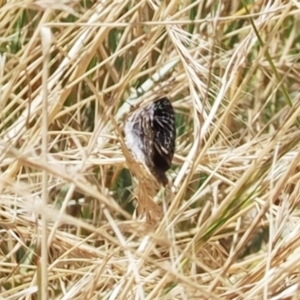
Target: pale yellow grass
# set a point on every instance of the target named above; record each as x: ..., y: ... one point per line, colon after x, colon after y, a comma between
x: 70, y: 72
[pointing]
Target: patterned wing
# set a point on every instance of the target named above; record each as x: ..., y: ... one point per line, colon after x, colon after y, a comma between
x: 150, y: 135
x: 164, y: 131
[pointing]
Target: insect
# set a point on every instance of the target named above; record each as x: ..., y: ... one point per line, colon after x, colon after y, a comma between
x: 150, y: 135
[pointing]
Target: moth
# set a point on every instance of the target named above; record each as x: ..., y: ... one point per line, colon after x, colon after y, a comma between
x: 150, y: 135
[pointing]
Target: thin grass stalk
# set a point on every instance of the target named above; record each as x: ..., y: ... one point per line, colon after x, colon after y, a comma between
x: 46, y: 37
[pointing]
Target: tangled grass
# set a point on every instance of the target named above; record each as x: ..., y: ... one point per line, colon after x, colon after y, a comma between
x: 71, y: 71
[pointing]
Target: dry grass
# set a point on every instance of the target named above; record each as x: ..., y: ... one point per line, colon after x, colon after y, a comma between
x: 70, y: 71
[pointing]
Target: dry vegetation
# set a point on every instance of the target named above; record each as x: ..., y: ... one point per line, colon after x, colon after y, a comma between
x: 70, y: 73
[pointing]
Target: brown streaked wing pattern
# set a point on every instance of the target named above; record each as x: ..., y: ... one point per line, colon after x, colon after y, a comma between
x: 163, y: 126
x: 152, y: 133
